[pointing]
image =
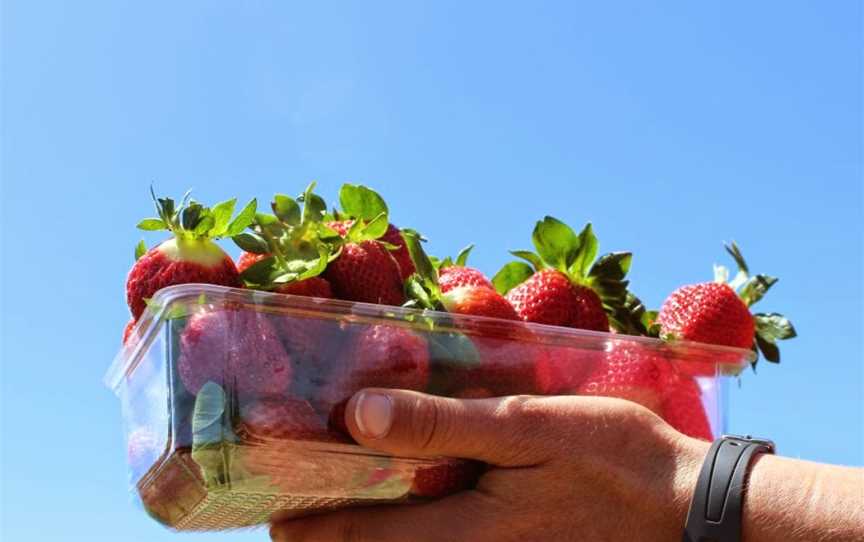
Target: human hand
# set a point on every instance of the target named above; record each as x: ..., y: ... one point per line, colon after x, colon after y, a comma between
x: 562, y: 468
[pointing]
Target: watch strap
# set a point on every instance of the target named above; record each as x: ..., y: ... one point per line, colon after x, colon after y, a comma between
x: 717, y: 505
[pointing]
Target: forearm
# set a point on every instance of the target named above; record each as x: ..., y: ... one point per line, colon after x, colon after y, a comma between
x: 788, y: 500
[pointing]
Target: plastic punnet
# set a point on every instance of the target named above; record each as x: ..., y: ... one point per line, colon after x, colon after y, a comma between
x: 232, y: 398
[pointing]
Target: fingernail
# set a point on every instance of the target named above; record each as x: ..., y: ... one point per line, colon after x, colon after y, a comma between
x: 373, y: 414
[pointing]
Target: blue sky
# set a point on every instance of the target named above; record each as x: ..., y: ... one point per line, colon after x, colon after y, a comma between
x: 672, y: 129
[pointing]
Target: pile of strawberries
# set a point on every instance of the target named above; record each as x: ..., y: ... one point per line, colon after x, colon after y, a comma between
x: 292, y: 375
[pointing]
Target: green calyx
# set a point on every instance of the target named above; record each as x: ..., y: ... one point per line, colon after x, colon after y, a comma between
x: 460, y: 261
x: 770, y: 327
x: 192, y: 220
x: 366, y: 210
x: 297, y: 243
x: 421, y: 288
x: 558, y: 246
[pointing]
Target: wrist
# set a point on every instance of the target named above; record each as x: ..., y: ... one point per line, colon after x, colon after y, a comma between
x: 689, y: 460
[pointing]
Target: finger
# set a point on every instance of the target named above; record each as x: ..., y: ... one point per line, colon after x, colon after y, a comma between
x: 508, y: 432
x: 451, y: 519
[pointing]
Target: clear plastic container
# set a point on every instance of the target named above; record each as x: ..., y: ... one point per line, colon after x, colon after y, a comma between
x: 231, y: 398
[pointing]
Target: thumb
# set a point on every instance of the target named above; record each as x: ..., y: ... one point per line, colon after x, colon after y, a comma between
x: 502, y: 431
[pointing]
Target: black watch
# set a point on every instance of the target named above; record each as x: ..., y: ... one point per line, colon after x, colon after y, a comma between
x: 717, y: 505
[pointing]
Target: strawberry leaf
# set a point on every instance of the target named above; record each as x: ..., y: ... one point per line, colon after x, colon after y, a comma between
x: 417, y: 293
x: 556, y: 243
x: 774, y: 327
x: 755, y: 288
x: 140, y: 249
x: 510, y: 276
x: 221, y: 214
x: 259, y: 272
x: 152, y: 224
x: 585, y: 254
x: 532, y: 258
x: 462, y: 257
x: 251, y: 242
x: 204, y: 226
x: 242, y: 220
x: 314, y: 206
x: 422, y: 264
x: 769, y: 350
x: 735, y: 252
x: 614, y: 266
x: 319, y: 265
x: 374, y: 229
x: 361, y: 202
x: 286, y: 209
x: 190, y: 216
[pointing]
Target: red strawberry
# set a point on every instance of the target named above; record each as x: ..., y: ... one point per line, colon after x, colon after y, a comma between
x: 281, y: 419
x: 716, y: 313
x: 237, y: 349
x: 248, y: 259
x: 363, y: 203
x: 478, y: 301
x: 563, y: 369
x: 682, y: 407
x: 507, y: 366
x: 380, y: 356
x: 549, y: 297
x: 393, y: 236
x: 366, y: 271
x: 453, y: 276
x: 565, y: 286
x: 191, y: 255
x: 445, y: 479
x: 629, y: 371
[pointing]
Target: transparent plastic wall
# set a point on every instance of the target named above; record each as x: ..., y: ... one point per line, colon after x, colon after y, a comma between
x: 233, y: 400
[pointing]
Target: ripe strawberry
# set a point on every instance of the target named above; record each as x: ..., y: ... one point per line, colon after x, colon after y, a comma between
x: 281, y: 419
x: 682, y: 407
x: 238, y: 349
x: 563, y: 369
x: 445, y: 479
x: 629, y: 371
x: 507, y: 366
x: 549, y: 297
x: 454, y: 277
x: 362, y: 203
x: 189, y: 256
x: 393, y: 236
x: 366, y: 271
x: 478, y: 301
x: 564, y: 286
x: 380, y: 356
x: 455, y: 274
x: 719, y: 313
x: 248, y: 259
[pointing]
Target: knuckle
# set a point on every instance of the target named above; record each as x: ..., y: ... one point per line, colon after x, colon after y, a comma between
x: 428, y: 425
